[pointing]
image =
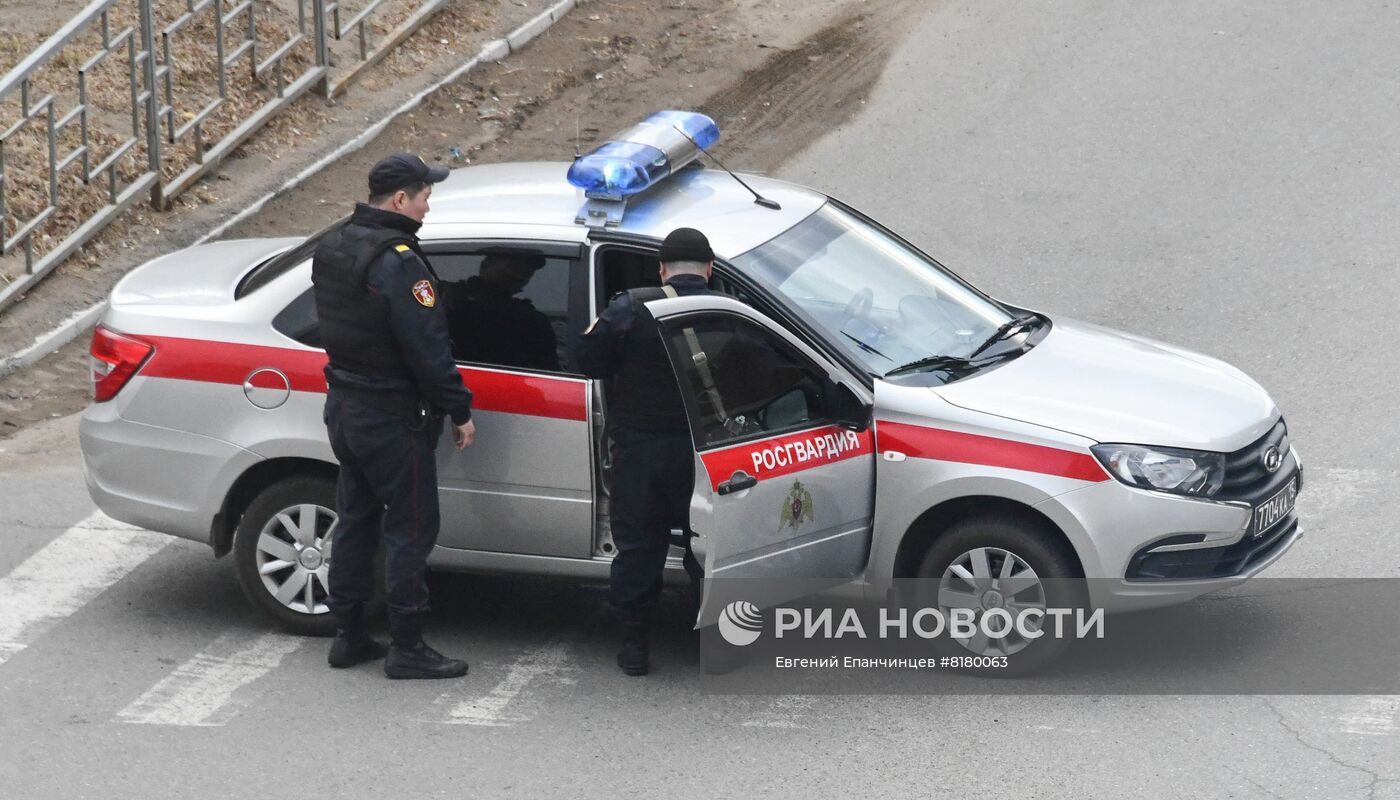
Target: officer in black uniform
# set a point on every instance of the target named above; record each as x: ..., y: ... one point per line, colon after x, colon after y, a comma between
x: 391, y: 379
x: 653, y: 459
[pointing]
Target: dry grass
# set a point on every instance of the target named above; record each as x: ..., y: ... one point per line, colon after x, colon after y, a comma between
x: 193, y: 84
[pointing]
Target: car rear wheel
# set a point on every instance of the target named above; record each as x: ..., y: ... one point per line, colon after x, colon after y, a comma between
x: 990, y: 562
x: 282, y: 553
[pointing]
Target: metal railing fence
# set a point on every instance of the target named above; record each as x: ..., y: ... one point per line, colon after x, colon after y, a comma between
x: 132, y: 114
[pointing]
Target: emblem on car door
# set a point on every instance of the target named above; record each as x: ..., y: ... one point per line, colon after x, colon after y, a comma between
x: 797, y: 507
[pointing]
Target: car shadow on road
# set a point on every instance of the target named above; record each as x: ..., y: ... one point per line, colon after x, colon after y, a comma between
x: 525, y: 610
x: 1280, y: 637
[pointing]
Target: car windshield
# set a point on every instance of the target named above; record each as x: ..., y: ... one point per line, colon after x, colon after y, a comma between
x: 887, y: 304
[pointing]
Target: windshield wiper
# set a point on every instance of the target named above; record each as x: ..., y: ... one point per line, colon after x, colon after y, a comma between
x: 867, y: 348
x: 936, y: 362
x: 1007, y: 329
x: 970, y: 361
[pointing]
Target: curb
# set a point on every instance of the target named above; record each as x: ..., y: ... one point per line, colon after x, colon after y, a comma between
x: 45, y: 344
x: 494, y: 50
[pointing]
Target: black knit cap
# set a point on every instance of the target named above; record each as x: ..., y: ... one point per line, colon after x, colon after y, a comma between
x: 399, y: 170
x: 686, y: 244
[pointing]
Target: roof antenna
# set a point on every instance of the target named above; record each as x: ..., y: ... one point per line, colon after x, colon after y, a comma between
x: 757, y: 198
x: 577, y: 154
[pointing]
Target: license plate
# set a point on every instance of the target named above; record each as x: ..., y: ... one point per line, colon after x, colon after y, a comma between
x: 1267, y: 513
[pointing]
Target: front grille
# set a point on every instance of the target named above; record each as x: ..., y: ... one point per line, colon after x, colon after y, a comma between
x: 1210, y: 562
x: 1245, y: 475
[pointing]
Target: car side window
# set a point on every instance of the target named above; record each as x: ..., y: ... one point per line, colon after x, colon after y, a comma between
x: 743, y: 381
x: 298, y: 320
x: 507, y: 307
x: 623, y: 267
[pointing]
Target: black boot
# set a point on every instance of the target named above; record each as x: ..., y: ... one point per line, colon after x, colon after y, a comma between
x: 634, y: 657
x: 354, y: 647
x: 353, y: 644
x: 421, y: 661
x: 410, y: 657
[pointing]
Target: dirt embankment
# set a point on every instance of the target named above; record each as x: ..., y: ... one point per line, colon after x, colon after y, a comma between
x: 297, y: 136
x: 775, y: 76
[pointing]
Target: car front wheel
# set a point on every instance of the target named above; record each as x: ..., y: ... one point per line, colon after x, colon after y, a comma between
x: 990, y: 562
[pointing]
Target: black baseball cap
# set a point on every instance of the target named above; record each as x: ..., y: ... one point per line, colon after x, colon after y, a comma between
x: 686, y: 244
x: 400, y: 170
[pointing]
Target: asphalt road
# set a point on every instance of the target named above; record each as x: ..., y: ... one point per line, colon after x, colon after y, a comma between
x: 1220, y: 176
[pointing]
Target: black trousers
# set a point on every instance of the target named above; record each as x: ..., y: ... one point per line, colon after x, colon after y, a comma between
x: 653, y: 477
x: 387, y: 488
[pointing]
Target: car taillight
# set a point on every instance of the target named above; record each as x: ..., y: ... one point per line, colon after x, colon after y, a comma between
x: 115, y: 358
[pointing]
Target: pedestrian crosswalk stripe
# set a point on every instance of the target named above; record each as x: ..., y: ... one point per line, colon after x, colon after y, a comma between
x: 785, y: 711
x: 1371, y: 715
x: 493, y: 710
x: 204, y: 691
x: 65, y: 574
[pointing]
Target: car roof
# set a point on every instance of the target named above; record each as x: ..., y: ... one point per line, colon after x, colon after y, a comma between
x: 537, y: 193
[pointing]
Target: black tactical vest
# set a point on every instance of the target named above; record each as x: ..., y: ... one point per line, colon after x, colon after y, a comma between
x: 356, y: 334
x: 643, y: 394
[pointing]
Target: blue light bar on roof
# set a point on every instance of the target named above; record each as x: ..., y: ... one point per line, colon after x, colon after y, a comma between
x: 697, y: 126
x: 643, y: 155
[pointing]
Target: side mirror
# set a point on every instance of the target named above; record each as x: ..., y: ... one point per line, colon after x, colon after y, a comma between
x: 847, y: 409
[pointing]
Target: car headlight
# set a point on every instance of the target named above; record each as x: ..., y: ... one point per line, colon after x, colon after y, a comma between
x: 1190, y: 472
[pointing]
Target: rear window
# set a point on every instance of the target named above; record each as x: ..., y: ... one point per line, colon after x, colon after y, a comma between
x: 298, y: 320
x: 277, y: 266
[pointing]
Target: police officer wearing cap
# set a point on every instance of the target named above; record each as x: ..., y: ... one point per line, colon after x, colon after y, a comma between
x: 653, y: 459
x: 391, y: 380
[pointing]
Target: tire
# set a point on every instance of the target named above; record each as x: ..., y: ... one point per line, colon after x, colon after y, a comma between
x: 1002, y: 538
x: 263, y: 539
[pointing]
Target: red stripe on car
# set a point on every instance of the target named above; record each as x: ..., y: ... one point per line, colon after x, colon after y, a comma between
x: 228, y: 363
x: 969, y: 448
x: 786, y: 454
x: 535, y: 395
x: 225, y: 362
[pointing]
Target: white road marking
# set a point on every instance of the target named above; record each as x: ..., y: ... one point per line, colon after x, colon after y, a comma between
x: 786, y: 711
x: 67, y: 573
x: 1072, y: 731
x: 204, y: 690
x: 549, y: 660
x: 1372, y: 715
x: 1328, y: 491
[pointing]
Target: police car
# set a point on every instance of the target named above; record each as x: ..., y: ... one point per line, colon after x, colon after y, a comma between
x: 883, y: 418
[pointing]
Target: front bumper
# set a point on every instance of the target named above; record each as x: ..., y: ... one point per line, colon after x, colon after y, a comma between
x: 1144, y: 549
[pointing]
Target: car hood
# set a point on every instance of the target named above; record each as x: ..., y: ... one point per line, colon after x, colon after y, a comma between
x: 202, y: 275
x: 1116, y: 387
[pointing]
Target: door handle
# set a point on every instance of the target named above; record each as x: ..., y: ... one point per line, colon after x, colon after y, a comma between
x: 738, y: 482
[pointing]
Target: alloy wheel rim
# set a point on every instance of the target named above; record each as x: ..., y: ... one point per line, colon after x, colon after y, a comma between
x: 991, y: 577
x: 293, y: 557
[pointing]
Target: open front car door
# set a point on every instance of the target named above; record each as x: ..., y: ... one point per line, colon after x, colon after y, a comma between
x: 784, y: 456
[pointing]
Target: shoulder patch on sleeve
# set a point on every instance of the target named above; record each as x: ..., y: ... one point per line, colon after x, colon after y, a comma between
x: 425, y: 295
x: 401, y: 248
